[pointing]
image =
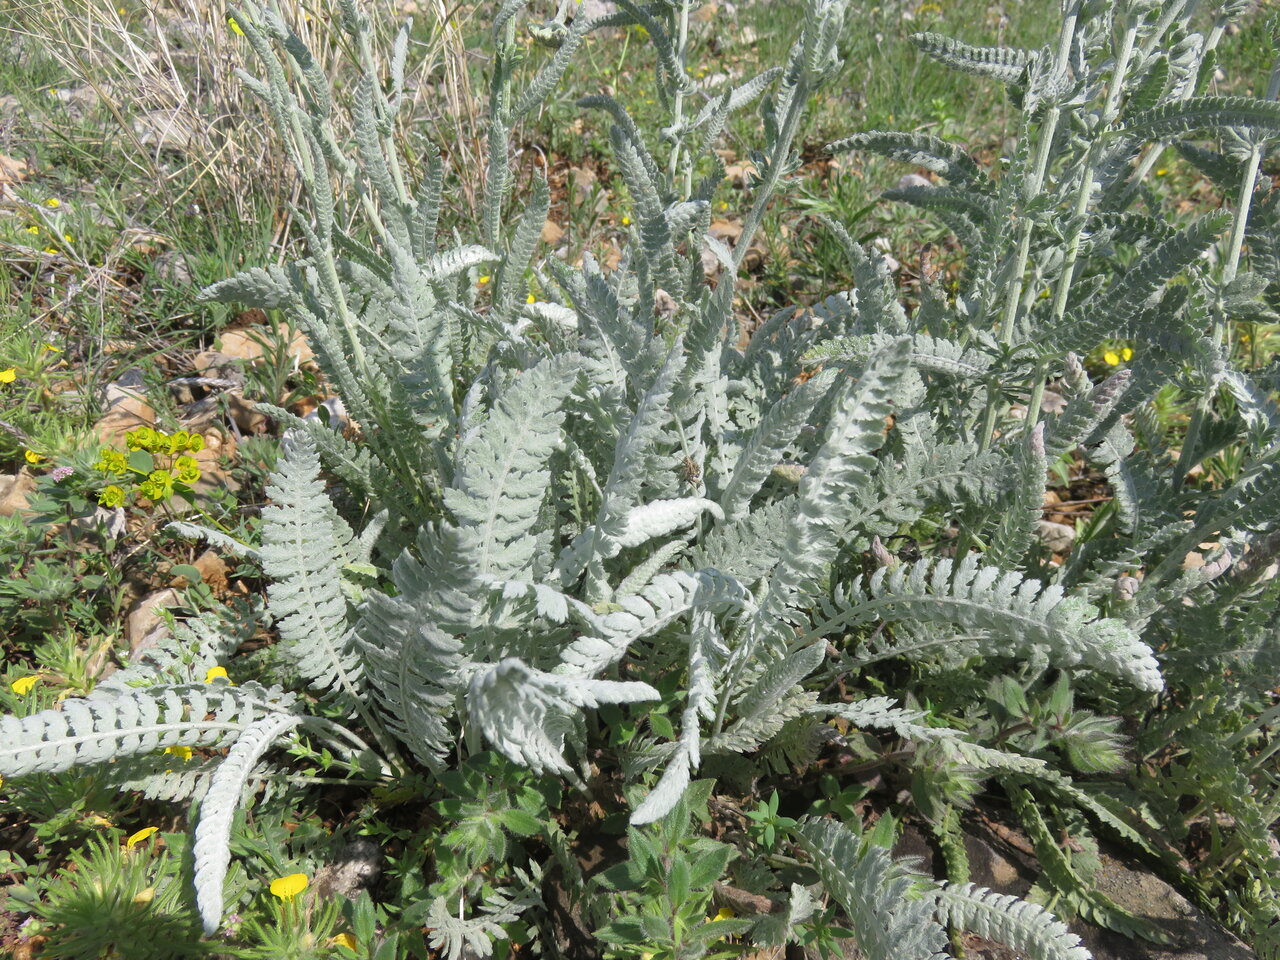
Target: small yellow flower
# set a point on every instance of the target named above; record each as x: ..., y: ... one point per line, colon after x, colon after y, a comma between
x: 235, y: 27
x: 1126, y: 354
x: 626, y: 221
x: 8, y: 376
x: 483, y: 280
x: 33, y: 229
x: 346, y: 939
x: 531, y: 299
x: 50, y: 249
x: 31, y: 456
x: 52, y: 349
x: 22, y: 686
x: 111, y: 496
x: 100, y: 821
x: 216, y: 673
x: 1161, y: 172
x: 69, y: 238
x: 137, y: 838
x: 53, y: 202
x: 286, y: 888
x: 179, y: 751
x: 120, y: 10
x: 1111, y: 357
x: 724, y: 913
x: 145, y: 896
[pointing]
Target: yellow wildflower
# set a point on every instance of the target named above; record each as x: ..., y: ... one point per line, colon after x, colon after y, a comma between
x: 98, y: 821
x: 52, y: 349
x: 1126, y: 354
x: 216, y: 673
x: 50, y: 249
x: 346, y: 939
x: 33, y: 229
x: 8, y: 376
x: 286, y: 888
x: 235, y: 27
x: 112, y: 496
x: 22, y: 686
x: 724, y: 913
x: 53, y: 202
x: 137, y: 838
x: 626, y: 221
x: 179, y: 751
x: 145, y: 896
x: 69, y: 238
x: 1111, y: 357
x: 531, y: 299
x: 1161, y: 172
x: 483, y: 280
x: 31, y: 456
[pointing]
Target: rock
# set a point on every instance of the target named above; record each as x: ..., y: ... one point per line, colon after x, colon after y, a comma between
x: 253, y: 344
x: 12, y: 169
x: 213, y: 571
x: 145, y: 624
x: 1058, y: 537
x: 358, y: 867
x: 1194, y: 935
x: 172, y: 268
x: 726, y: 230
x: 248, y: 420
x: 217, y: 447
x: 127, y: 409
x: 551, y: 232
x: 15, y: 492
x: 908, y: 180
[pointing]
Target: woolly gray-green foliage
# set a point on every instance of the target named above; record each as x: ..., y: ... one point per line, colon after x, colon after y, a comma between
x: 585, y: 495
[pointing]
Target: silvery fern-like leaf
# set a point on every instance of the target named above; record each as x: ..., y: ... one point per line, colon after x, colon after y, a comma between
x: 769, y: 701
x: 874, y: 892
x: 1026, y: 927
x: 707, y: 652
x: 1021, y: 507
x: 920, y: 150
x: 215, y: 538
x: 749, y: 548
x: 268, y: 288
x: 1013, y: 613
x: 353, y: 464
x: 502, y: 476
x: 1204, y: 113
x: 1113, y: 310
x: 1006, y: 64
x: 526, y: 713
x: 185, y: 655
x: 826, y: 496
x: 510, y: 276
x: 100, y: 729
x: 458, y: 937
x: 305, y: 547
x: 663, y: 600
x: 626, y: 477
x: 212, y: 850
x: 660, y: 518
x: 765, y: 445
x: 455, y: 261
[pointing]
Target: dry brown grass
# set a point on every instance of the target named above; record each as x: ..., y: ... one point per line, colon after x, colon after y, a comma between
x: 167, y: 75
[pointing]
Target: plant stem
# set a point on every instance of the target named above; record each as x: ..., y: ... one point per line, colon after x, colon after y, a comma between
x: 682, y: 44
x: 1235, y: 247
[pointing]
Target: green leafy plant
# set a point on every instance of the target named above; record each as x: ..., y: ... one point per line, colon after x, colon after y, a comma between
x: 613, y: 496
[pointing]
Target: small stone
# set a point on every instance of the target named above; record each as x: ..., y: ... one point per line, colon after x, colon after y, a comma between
x: 551, y: 232
x: 146, y: 624
x: 1058, y: 537
x: 15, y: 492
x: 127, y: 409
x: 909, y: 180
x: 357, y: 868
